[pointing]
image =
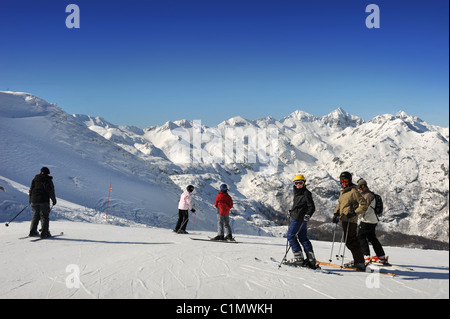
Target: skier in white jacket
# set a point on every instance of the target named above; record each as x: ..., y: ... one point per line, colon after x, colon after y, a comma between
x: 183, y: 206
x: 367, y: 225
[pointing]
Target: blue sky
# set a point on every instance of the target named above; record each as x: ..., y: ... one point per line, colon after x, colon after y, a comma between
x: 146, y: 62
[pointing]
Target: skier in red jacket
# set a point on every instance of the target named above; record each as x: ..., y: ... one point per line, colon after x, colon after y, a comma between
x: 223, y: 203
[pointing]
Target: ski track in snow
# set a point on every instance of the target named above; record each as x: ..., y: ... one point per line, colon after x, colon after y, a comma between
x: 317, y: 291
x: 127, y: 262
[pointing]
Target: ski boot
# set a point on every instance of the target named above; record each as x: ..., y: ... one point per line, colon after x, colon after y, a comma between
x: 229, y: 237
x: 380, y: 260
x: 357, y: 266
x: 297, y: 261
x: 45, y: 234
x: 310, y: 261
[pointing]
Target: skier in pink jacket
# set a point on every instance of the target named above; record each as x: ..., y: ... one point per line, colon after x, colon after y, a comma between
x: 183, y: 206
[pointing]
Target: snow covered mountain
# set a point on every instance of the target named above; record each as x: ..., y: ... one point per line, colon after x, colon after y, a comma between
x: 404, y: 159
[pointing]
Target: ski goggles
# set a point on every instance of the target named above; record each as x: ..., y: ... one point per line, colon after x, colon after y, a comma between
x: 299, y: 183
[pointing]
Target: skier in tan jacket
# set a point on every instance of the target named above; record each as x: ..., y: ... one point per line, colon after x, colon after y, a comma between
x: 351, y: 204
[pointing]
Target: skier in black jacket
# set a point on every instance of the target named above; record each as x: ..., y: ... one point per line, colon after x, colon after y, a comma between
x: 41, y: 191
x: 301, y: 212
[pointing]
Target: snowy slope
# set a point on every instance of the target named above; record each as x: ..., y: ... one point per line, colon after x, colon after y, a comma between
x: 34, y: 133
x: 403, y: 158
x: 145, y: 189
x: 146, y: 262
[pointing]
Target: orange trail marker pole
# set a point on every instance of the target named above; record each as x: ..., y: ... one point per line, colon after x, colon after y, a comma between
x: 107, y: 204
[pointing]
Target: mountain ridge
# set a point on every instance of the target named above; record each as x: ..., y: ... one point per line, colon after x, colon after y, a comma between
x: 402, y: 157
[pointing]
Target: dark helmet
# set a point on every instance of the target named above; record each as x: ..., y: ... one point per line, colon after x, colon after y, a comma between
x: 223, y: 187
x: 190, y: 188
x: 345, y: 175
x: 45, y: 171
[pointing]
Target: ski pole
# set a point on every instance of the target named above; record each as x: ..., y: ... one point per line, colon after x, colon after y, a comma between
x: 332, y: 246
x: 288, y: 247
x: 193, y: 223
x: 340, y: 246
x: 343, y: 253
x: 7, y: 224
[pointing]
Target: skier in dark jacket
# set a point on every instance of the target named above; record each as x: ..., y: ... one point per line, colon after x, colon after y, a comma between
x: 41, y: 192
x: 301, y: 212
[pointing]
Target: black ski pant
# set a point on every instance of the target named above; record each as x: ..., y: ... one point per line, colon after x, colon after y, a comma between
x: 42, y: 213
x: 183, y: 219
x: 366, y: 234
x: 352, y: 243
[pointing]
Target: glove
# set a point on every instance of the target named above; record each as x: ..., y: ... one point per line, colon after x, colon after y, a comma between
x: 193, y: 210
x: 351, y: 214
x: 336, y: 218
x: 54, y: 202
x: 306, y: 218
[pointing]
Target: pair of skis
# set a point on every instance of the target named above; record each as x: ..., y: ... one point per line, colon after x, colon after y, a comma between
x: 233, y: 241
x: 387, y: 264
x: 326, y: 271
x: 368, y: 269
x: 41, y: 238
x: 317, y: 270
